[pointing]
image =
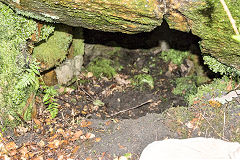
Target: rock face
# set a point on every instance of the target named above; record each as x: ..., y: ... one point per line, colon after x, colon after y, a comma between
x: 107, y: 15
x: 204, y: 18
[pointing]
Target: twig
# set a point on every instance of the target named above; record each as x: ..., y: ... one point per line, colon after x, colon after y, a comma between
x: 214, y: 129
x: 230, y: 17
x: 140, y: 105
x: 224, y: 122
x: 86, y: 93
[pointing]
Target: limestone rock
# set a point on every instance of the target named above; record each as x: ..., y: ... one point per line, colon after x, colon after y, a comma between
x: 70, y: 68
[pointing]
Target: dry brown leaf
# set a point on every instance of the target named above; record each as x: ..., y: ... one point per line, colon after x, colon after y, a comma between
x: 37, y: 122
x: 54, y: 144
x: 60, y: 131
x: 53, y: 137
x: 60, y: 157
x: 61, y: 90
x: 38, y: 158
x: 75, y: 149
x: 229, y: 86
x: 89, y: 75
x: 85, y: 123
x: 89, y: 135
x: 98, y: 139
x: 108, y: 122
x: 77, y: 134
x: 12, y: 152
x: 121, y: 146
x: 23, y: 150
x: 121, y: 81
x: 10, y: 117
x: 41, y: 143
x: 10, y: 146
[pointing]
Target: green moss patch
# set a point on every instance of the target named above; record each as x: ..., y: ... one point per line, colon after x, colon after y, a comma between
x: 54, y: 50
x: 102, y: 67
x: 15, y: 30
x: 174, y: 56
x: 218, y: 85
x: 143, y: 79
x: 185, y: 86
x: 212, y: 24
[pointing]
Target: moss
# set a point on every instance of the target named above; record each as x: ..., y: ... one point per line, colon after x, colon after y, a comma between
x: 185, y: 86
x: 212, y: 25
x: 46, y: 31
x: 54, y: 50
x: 218, y: 85
x: 143, y: 79
x: 78, y: 42
x: 14, y: 31
x: 174, y: 56
x: 115, y: 16
x: 218, y: 67
x: 102, y: 67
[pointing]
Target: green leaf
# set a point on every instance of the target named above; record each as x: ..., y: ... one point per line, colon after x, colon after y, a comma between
x: 98, y: 103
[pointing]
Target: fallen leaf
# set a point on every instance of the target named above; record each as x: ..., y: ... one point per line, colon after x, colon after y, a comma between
x: 53, y: 137
x: 37, y: 122
x: 89, y: 74
x: 121, y: 81
x: 89, y: 135
x: 10, y: 146
x: 121, y: 147
x: 77, y: 134
x: 214, y: 103
x: 10, y: 117
x: 60, y: 157
x: 60, y: 131
x: 38, y: 158
x: 85, y: 123
x: 54, y: 144
x: 61, y: 90
x: 41, y: 143
x: 23, y: 150
x: 108, y: 122
x: 98, y: 139
x: 75, y: 149
x: 88, y: 158
x: 229, y: 86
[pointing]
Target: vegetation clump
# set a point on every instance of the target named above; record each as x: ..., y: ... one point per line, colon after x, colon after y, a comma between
x: 55, y: 49
x: 19, y: 72
x: 174, y: 56
x: 219, y: 67
x: 102, y: 67
x: 143, y: 79
x: 185, y: 86
x: 216, y: 88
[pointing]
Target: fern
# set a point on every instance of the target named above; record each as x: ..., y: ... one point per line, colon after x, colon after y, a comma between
x: 50, y: 101
x: 28, y: 82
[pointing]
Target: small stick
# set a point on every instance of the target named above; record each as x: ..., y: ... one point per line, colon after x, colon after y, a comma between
x: 125, y: 110
x: 214, y: 129
x: 86, y: 93
x: 230, y: 17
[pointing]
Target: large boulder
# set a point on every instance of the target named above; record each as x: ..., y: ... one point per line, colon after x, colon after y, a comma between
x: 204, y: 18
